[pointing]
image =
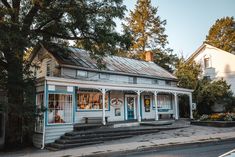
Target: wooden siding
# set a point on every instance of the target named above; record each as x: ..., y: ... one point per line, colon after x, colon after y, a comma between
x: 55, y: 131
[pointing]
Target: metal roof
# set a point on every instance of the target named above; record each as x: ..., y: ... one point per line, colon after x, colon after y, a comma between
x: 115, y: 64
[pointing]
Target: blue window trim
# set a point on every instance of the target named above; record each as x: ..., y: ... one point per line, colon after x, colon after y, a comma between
x: 98, y: 110
x: 140, y: 105
x: 57, y: 92
x: 124, y: 99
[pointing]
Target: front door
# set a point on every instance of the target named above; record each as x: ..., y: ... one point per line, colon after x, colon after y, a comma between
x: 130, y: 101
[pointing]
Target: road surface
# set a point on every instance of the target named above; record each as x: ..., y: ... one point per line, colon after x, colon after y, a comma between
x: 213, y: 149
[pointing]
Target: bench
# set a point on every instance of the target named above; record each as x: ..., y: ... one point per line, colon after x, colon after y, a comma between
x: 96, y: 119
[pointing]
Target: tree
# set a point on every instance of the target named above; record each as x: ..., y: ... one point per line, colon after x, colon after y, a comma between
x: 208, y: 93
x: 147, y: 32
x: 25, y: 23
x: 188, y: 76
x: 222, y: 34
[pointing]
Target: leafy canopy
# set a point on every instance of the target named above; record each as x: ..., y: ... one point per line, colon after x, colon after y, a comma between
x: 24, y: 23
x: 222, y: 34
x: 187, y: 73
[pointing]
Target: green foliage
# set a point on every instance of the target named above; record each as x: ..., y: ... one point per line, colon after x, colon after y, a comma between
x: 187, y: 74
x: 222, y: 34
x: 147, y: 32
x: 25, y: 23
x: 208, y: 93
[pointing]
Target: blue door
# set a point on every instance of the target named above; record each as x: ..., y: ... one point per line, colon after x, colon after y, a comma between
x: 130, y: 107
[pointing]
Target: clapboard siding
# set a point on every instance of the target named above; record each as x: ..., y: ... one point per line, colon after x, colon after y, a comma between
x: 37, y: 140
x: 54, y: 132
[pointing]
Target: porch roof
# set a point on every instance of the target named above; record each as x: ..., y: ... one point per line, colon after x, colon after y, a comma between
x: 116, y: 86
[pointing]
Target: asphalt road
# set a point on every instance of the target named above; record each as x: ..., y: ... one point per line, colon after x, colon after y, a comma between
x: 194, y: 150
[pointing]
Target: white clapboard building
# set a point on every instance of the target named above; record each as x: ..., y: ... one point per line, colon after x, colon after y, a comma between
x: 215, y: 63
x: 72, y: 89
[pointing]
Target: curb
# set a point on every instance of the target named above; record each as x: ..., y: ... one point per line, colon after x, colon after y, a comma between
x: 157, y: 148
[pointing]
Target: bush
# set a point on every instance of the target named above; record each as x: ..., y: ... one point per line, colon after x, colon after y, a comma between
x: 218, y: 117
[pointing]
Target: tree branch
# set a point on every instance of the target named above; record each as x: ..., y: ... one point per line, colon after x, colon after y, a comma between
x: 6, y: 4
x: 29, y: 17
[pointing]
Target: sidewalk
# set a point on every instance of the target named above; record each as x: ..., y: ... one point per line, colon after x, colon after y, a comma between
x: 192, y: 134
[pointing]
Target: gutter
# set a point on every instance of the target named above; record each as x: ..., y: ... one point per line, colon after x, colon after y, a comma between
x: 44, y: 117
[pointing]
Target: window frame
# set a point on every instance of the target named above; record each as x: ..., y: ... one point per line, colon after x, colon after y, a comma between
x: 65, y: 102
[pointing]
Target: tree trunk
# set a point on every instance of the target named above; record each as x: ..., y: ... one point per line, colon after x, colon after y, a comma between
x: 15, y: 94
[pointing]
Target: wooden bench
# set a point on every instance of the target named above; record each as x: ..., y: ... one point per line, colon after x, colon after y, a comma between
x: 96, y: 119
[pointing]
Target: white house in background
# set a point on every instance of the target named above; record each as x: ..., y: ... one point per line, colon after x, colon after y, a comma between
x: 74, y: 90
x: 215, y: 63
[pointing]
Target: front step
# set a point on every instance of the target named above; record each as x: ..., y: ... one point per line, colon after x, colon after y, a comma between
x: 81, y: 138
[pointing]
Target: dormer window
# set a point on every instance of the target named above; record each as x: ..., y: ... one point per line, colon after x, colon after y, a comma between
x: 206, y: 62
x: 104, y: 76
x: 82, y: 73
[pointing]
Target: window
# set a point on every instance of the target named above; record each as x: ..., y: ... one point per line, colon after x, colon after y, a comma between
x: 164, y: 102
x: 39, y: 112
x: 155, y: 81
x: 60, y: 108
x: 132, y: 80
x: 49, y: 70
x: 91, y: 101
x: 168, y: 82
x: 81, y: 73
x: 206, y: 63
x: 104, y: 76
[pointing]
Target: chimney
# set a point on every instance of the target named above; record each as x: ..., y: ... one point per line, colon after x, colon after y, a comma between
x: 149, y: 56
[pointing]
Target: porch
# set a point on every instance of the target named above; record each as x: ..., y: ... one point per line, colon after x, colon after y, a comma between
x: 71, y: 101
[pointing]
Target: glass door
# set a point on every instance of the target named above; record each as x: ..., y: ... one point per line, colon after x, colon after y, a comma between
x: 130, y: 101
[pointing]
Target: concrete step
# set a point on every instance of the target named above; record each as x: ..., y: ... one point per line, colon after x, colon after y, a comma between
x: 108, y: 130
x: 100, y: 138
x: 84, y: 127
x: 58, y: 146
x: 157, y: 123
x: 111, y: 134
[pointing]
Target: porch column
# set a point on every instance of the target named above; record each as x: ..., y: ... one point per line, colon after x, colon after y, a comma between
x: 190, y: 106
x: 138, y: 106
x: 156, y: 104
x: 176, y: 107
x: 103, y: 107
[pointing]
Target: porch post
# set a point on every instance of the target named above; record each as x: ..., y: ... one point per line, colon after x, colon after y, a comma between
x: 138, y: 106
x: 103, y: 107
x: 176, y: 107
x: 156, y: 109
x: 190, y: 106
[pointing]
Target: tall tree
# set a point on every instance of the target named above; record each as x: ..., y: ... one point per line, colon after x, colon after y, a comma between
x: 147, y: 32
x: 222, y: 34
x: 187, y: 73
x: 188, y: 77
x: 23, y: 23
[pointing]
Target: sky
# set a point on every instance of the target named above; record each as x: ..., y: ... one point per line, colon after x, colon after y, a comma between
x: 188, y: 21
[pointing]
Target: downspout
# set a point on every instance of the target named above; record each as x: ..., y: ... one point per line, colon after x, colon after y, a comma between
x: 44, y: 117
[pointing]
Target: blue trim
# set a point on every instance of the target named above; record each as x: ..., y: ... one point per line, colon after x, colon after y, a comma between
x: 60, y: 92
x: 56, y: 92
x: 46, y: 97
x: 124, y: 101
x: 140, y: 106
x: 74, y: 103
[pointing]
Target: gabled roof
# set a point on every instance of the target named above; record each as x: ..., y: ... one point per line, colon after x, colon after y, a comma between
x: 199, y: 50
x: 80, y: 59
